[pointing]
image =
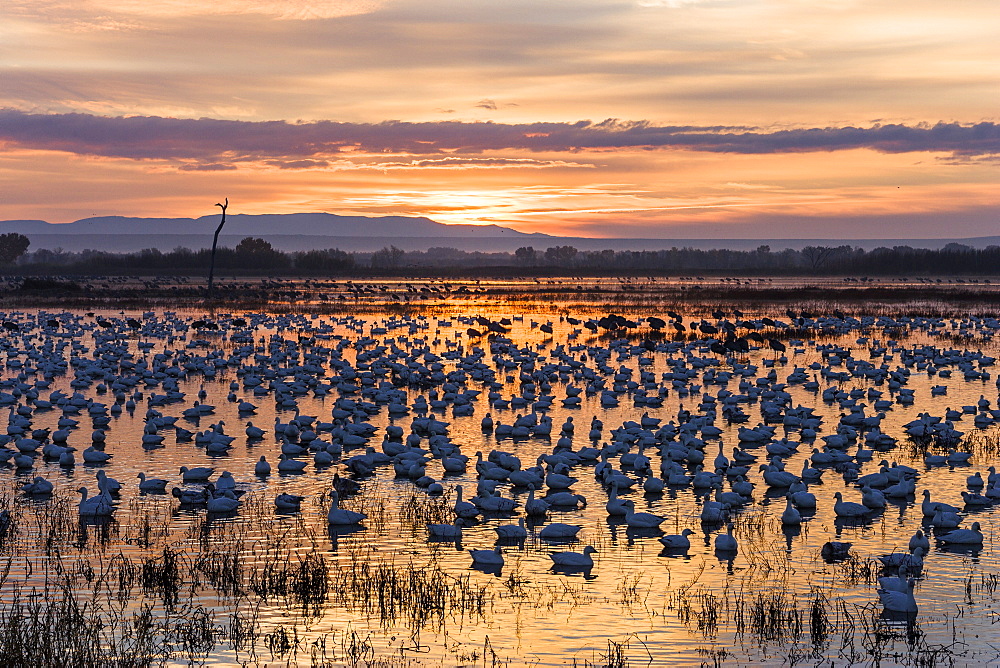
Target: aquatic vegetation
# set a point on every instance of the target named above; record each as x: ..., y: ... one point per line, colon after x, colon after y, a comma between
x: 384, y: 418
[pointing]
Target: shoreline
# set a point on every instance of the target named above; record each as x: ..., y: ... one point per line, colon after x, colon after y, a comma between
x: 405, y: 295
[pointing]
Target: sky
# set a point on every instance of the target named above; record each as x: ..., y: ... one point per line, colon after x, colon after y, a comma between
x: 594, y: 118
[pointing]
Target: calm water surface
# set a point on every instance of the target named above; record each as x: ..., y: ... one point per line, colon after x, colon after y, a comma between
x: 638, y: 602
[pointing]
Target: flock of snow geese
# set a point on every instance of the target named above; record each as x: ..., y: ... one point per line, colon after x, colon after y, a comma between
x: 412, y: 371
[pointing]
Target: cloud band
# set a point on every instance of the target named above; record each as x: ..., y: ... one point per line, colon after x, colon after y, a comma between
x: 224, y: 141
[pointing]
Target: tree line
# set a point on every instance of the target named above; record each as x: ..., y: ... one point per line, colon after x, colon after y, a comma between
x: 254, y: 256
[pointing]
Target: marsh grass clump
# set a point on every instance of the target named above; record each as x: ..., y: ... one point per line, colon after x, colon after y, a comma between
x: 753, y: 525
x: 53, y: 530
x: 244, y: 630
x: 979, y: 586
x: 769, y: 616
x: 304, y: 583
x: 9, y: 519
x: 698, y: 608
x: 617, y: 654
x: 716, y: 655
x: 419, y: 510
x: 283, y: 643
x: 984, y: 445
x: 629, y: 589
x: 120, y: 577
x: 819, y: 620
x: 162, y: 576
x: 988, y: 583
x: 357, y: 650
x: 223, y: 570
x: 855, y: 571
x: 193, y: 632
x: 144, y: 533
x: 417, y: 596
x: 345, y: 649
x: 516, y: 583
x: 55, y: 627
x: 918, y: 447
x: 310, y: 583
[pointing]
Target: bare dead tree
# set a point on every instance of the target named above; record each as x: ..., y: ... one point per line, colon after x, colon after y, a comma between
x: 817, y: 256
x: 215, y: 243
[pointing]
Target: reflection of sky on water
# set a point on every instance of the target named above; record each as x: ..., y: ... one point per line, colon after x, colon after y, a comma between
x: 538, y: 614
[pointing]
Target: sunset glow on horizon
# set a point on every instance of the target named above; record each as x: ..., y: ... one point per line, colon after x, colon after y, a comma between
x: 601, y: 118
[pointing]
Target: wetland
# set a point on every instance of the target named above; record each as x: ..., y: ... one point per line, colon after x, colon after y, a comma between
x: 697, y: 402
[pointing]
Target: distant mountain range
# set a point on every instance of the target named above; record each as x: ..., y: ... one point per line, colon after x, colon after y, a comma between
x: 306, y: 231
x: 314, y: 224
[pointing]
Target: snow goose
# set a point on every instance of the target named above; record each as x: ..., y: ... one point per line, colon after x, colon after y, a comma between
x: 972, y: 536
x: 574, y: 559
x: 929, y: 507
x: 196, y: 474
x: 616, y: 506
x: 912, y: 563
x: 790, y: 516
x: 491, y: 558
x: 919, y: 540
x: 535, y: 507
x: 338, y: 516
x: 849, y: 509
x: 288, y: 465
x: 643, y: 520
x: 38, y: 486
x: 462, y: 508
x: 288, y: 503
x: 559, y: 531
x: 262, y: 468
x: 224, y: 502
x: 512, y: 531
x: 445, y: 531
x: 677, y: 541
x: 96, y: 506
x: 899, y: 601
x: 155, y: 485
x: 725, y: 542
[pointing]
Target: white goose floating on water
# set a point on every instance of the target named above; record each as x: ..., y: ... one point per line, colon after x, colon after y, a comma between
x: 677, y: 541
x: 574, y: 559
x: 446, y: 531
x: 559, y: 531
x: 222, y: 502
x: 95, y: 506
x: 725, y: 542
x: 849, y: 509
x: 491, y: 558
x: 285, y: 502
x: 338, y: 516
x: 512, y: 531
x: 971, y: 536
x: 196, y: 474
x: 894, y: 600
x: 643, y: 520
x: 38, y: 487
x: 156, y: 485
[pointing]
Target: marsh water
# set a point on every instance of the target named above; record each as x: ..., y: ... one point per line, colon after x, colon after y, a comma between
x: 274, y: 587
